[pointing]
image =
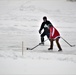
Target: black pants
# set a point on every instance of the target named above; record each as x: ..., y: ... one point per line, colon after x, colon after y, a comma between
x: 44, y: 34
x: 57, y: 42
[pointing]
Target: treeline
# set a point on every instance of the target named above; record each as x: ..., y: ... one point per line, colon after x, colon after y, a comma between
x: 72, y: 0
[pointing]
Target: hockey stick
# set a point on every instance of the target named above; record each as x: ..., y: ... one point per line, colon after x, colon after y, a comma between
x: 35, y: 46
x: 68, y: 43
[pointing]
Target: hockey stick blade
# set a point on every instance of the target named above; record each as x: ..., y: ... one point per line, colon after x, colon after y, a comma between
x: 73, y: 45
x: 28, y: 48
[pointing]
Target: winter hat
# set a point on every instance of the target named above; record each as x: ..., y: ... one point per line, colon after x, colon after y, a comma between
x: 44, y: 17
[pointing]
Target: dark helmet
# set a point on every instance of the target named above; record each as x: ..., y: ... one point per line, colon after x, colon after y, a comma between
x: 44, y: 17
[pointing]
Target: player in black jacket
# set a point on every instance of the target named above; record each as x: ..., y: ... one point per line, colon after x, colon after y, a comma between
x: 45, y: 25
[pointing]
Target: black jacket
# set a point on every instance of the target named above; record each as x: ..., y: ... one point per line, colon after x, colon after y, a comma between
x: 45, y: 26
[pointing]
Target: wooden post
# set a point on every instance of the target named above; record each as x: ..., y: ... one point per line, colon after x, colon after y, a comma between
x: 22, y: 47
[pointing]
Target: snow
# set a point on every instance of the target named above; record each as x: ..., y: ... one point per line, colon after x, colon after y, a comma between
x: 20, y: 21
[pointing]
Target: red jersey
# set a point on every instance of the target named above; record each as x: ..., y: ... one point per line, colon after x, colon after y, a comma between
x: 54, y: 33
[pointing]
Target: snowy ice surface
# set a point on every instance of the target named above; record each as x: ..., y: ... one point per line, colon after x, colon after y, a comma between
x: 20, y: 21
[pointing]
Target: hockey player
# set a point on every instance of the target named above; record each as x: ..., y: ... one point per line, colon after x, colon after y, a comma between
x: 45, y: 26
x: 54, y: 36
